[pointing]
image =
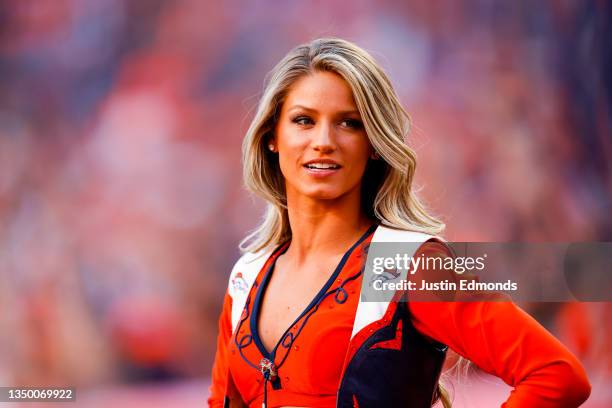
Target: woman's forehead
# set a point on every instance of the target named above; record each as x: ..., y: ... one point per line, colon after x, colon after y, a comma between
x: 321, y: 91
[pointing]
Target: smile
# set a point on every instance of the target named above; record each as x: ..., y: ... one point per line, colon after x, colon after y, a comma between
x: 322, y: 168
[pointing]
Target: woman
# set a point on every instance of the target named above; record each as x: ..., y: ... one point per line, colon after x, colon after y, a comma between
x: 326, y: 151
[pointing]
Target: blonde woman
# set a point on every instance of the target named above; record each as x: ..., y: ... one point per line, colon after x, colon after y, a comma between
x: 326, y: 151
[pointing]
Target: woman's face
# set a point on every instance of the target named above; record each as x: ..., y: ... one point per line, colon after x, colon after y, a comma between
x: 320, y: 139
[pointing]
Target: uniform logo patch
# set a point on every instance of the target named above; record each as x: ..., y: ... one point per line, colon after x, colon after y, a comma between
x: 239, y: 283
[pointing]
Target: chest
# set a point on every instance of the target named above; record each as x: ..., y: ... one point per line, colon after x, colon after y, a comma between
x: 318, y: 340
x: 310, y: 343
x: 288, y: 295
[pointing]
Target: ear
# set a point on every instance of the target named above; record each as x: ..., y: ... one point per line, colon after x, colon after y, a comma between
x: 271, y: 143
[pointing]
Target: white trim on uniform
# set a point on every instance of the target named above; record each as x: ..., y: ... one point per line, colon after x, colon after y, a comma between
x: 241, y: 279
x: 247, y: 268
x: 369, y: 312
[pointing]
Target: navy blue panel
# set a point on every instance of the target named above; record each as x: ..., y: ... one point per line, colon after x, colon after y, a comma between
x: 404, y: 378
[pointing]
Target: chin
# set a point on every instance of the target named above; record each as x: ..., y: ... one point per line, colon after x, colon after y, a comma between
x: 324, y: 193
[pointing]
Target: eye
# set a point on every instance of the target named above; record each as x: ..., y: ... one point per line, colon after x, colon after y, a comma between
x: 353, y: 123
x: 302, y: 120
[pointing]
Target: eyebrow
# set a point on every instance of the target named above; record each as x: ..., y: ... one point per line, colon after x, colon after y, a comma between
x: 345, y: 112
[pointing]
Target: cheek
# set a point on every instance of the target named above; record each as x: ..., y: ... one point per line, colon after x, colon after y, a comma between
x: 359, y: 158
x: 289, y: 156
x: 285, y: 168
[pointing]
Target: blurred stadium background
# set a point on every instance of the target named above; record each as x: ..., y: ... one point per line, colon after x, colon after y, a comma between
x: 121, y: 203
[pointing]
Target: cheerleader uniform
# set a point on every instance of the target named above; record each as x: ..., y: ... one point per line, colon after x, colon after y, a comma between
x: 330, y: 358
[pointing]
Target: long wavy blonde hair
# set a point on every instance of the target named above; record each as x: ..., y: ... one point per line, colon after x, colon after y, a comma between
x: 387, y: 185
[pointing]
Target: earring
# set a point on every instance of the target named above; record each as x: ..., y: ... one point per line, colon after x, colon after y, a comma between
x: 271, y: 147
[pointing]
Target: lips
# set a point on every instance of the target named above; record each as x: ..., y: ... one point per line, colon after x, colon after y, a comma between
x: 322, y: 164
x: 322, y: 167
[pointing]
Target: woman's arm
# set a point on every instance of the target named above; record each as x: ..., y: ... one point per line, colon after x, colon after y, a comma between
x: 505, y: 341
x: 220, y: 366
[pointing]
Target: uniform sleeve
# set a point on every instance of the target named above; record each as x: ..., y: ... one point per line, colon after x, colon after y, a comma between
x: 220, y: 365
x: 505, y: 341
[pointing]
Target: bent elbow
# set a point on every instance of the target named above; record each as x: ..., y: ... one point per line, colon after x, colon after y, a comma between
x: 581, y: 389
x: 576, y: 386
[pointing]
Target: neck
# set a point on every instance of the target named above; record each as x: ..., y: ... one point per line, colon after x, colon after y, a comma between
x: 324, y: 227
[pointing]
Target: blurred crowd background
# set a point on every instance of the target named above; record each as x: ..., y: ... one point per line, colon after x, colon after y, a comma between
x: 121, y: 204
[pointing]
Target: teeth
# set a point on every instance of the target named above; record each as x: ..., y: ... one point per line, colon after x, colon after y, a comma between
x: 322, y: 166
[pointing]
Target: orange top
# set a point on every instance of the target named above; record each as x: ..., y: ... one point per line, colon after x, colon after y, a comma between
x: 498, y: 337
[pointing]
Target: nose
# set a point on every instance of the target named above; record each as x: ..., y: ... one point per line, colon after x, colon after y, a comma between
x: 324, y: 139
